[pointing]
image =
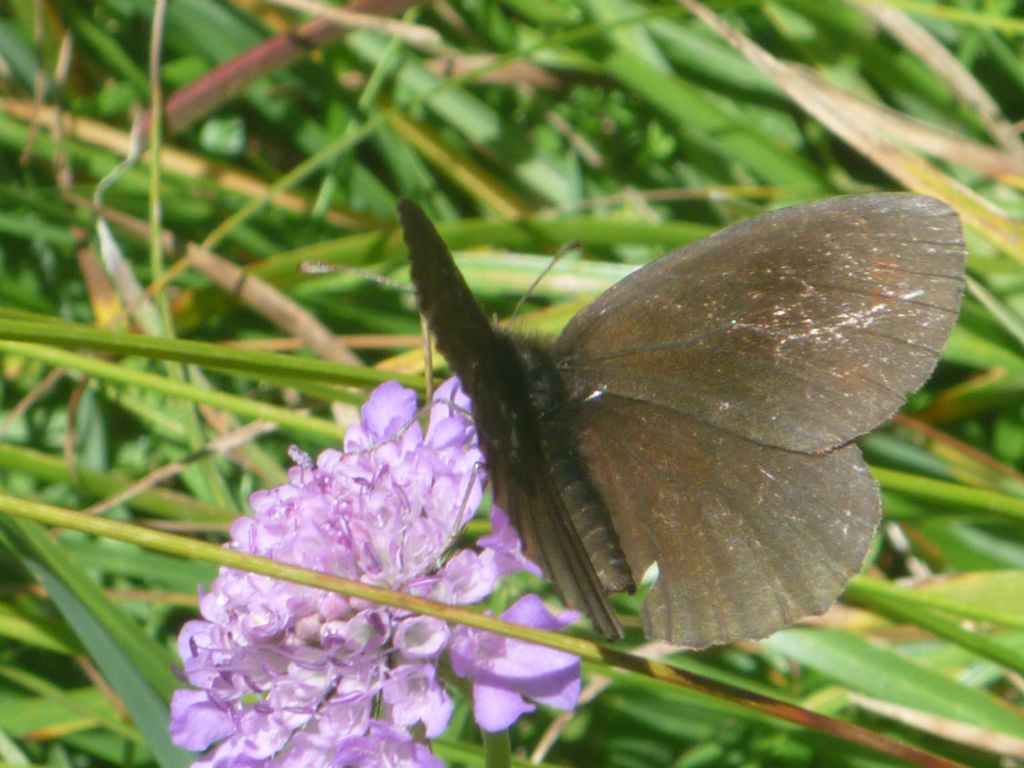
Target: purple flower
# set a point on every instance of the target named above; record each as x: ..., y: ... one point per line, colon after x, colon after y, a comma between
x: 505, y: 670
x: 288, y: 675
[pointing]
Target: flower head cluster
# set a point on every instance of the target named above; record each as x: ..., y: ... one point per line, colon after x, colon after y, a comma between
x: 288, y: 675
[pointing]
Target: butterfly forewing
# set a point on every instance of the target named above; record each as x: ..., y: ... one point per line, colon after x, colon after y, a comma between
x: 801, y: 329
x: 488, y: 365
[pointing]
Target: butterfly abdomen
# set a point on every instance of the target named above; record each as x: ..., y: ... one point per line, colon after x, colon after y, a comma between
x: 559, y: 443
x: 540, y: 480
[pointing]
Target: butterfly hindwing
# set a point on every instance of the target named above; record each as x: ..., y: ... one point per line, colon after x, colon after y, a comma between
x: 747, y: 537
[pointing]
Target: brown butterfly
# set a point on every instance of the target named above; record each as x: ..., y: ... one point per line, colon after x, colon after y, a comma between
x: 700, y: 413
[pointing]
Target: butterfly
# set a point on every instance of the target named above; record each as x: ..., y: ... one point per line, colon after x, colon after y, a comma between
x: 700, y: 414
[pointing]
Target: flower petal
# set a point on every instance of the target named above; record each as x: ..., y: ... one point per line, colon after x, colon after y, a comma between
x: 196, y: 722
x: 390, y: 407
x: 496, y: 663
x: 496, y: 708
x: 421, y: 637
x: 414, y: 695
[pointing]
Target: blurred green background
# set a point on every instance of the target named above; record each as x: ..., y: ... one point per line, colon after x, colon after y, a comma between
x: 149, y: 312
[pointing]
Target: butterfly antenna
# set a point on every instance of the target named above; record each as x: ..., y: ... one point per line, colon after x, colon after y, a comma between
x: 323, y: 268
x: 544, y: 272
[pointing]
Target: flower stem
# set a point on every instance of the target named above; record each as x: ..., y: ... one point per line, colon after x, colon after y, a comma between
x: 497, y: 749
